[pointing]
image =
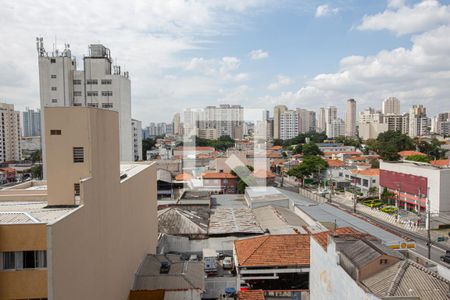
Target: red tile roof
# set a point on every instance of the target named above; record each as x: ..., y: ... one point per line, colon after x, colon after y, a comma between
x: 368, y: 172
x: 322, y: 237
x: 183, y: 177
x: 276, y: 148
x: 273, y: 250
x: 440, y: 163
x: 187, y: 148
x: 251, y: 295
x: 334, y: 163
x: 407, y: 153
x: 218, y: 175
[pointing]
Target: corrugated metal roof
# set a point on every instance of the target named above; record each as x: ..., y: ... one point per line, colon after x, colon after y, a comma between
x: 16, y: 218
x: 183, y: 220
x: 32, y: 212
x: 279, y: 220
x: 182, y: 274
x: 407, y: 278
x: 227, y: 220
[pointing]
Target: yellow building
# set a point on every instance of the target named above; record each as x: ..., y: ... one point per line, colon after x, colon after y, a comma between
x: 83, y: 234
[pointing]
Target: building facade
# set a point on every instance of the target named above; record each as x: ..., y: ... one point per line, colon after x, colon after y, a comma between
x: 9, y: 133
x: 31, y: 122
x: 350, y: 118
x: 289, y: 124
x: 336, y: 128
x: 277, y: 111
x: 136, y: 134
x: 391, y: 105
x: 100, y: 84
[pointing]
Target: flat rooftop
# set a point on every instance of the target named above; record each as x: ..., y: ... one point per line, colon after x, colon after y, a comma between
x: 29, y: 212
x: 265, y: 194
x: 128, y: 170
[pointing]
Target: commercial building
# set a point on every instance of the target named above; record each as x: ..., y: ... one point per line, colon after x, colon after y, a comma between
x: 346, y: 263
x: 391, y: 106
x: 414, y: 183
x: 136, y: 134
x: 289, y: 124
x: 83, y: 233
x: 350, y: 118
x: 99, y: 84
x: 277, y: 111
x: 9, y: 133
x: 31, y: 122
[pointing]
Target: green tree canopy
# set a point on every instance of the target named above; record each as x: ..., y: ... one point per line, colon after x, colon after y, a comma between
x: 309, y: 166
x: 311, y: 149
x: 419, y: 158
x: 389, y: 143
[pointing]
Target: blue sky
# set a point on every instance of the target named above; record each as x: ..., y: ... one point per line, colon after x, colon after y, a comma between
x: 196, y: 53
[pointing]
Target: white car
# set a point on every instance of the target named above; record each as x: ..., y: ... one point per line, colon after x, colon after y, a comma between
x: 227, y: 263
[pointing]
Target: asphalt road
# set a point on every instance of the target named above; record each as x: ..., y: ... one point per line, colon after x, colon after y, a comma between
x: 421, y: 243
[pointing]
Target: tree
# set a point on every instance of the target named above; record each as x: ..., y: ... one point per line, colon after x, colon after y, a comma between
x: 245, y: 177
x: 309, y: 166
x: 298, y: 149
x: 147, y: 144
x: 389, y: 153
x: 419, y: 158
x: 36, y: 156
x: 311, y: 149
x: 36, y: 171
x: 349, y: 141
x: 388, y: 144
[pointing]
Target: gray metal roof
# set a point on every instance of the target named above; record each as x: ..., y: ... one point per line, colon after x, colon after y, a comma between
x: 227, y: 220
x: 279, y: 220
x: 179, y: 220
x: 182, y: 274
x: 407, y: 278
x: 25, y: 212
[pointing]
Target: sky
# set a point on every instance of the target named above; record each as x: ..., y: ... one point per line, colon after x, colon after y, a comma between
x: 257, y: 53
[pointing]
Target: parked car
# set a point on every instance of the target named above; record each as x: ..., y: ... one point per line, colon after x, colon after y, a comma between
x: 446, y: 257
x: 227, y: 263
x: 193, y: 257
x: 164, y: 267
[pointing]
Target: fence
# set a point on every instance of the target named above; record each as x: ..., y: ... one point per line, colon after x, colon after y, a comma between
x: 313, y: 196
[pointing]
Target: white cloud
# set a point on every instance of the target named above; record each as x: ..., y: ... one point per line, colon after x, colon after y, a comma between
x: 223, y: 69
x: 282, y: 81
x: 147, y: 37
x: 325, y: 10
x: 258, y: 54
x: 419, y: 74
x: 402, y: 19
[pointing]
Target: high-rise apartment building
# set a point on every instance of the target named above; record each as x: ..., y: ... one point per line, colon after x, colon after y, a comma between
x: 176, y: 124
x: 277, y: 111
x: 289, y: 124
x: 350, y: 118
x: 9, y: 133
x: 330, y: 116
x: 371, y: 124
x: 99, y: 84
x: 441, y: 123
x: 307, y: 120
x: 31, y: 122
x: 391, y: 105
x: 136, y: 133
x: 83, y: 233
x: 419, y: 123
x: 336, y: 128
x: 321, y: 121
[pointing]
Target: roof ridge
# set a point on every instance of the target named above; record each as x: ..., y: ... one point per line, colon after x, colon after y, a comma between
x: 266, y: 237
x: 398, y: 276
x: 187, y: 218
x: 432, y: 273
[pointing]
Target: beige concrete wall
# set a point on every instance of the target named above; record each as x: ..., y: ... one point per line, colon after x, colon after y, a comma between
x: 75, y: 132
x: 24, y: 284
x: 23, y: 237
x: 95, y: 251
x: 375, y: 266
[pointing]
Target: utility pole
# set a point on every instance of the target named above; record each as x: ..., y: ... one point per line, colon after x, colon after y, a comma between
x: 428, y: 223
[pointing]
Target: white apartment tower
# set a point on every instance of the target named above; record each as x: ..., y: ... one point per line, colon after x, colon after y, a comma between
x: 136, y: 133
x: 277, y: 111
x: 350, y: 118
x: 31, y: 122
x: 289, y: 122
x: 9, y: 133
x: 330, y: 116
x: 419, y: 123
x: 391, y: 106
x: 336, y: 128
x: 99, y: 84
x: 321, y: 120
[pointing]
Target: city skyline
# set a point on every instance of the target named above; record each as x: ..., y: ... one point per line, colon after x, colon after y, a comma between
x: 183, y: 60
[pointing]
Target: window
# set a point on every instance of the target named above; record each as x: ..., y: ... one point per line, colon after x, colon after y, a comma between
x: 78, y: 154
x: 54, y: 100
x: 107, y: 105
x: 77, y: 81
x: 52, y: 76
x: 92, y: 81
x: 383, y: 261
x: 52, y: 60
x: 77, y: 104
x: 77, y: 93
x: 53, y: 88
x: 92, y: 104
x: 106, y: 81
x: 106, y: 93
x: 9, y: 260
x: 92, y: 93
x: 76, y: 188
x: 55, y: 131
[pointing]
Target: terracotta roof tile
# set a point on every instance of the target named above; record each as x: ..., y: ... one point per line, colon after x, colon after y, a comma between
x: 218, y: 175
x: 276, y: 148
x: 263, y: 174
x: 273, y: 250
x: 334, y: 163
x: 368, y: 172
x: 441, y: 163
x: 199, y: 148
x: 183, y: 177
x: 407, y: 153
x: 322, y: 237
x: 251, y: 295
